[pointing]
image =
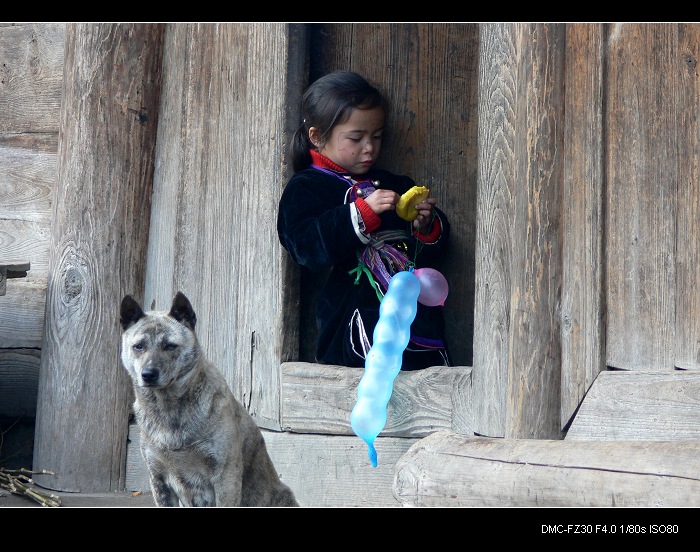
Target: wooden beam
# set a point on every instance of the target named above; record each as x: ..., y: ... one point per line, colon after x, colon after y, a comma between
x: 449, y: 469
x: 101, y: 216
x: 318, y: 398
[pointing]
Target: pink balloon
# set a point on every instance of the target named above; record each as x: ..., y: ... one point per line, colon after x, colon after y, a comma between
x: 433, y: 287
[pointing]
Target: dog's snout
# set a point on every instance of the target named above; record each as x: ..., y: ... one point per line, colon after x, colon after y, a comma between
x: 149, y: 376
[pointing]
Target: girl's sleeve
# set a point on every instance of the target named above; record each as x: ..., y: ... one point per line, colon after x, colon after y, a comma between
x: 314, y: 226
x: 438, y: 232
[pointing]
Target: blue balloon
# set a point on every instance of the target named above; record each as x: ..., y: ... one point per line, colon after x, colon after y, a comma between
x: 383, y: 362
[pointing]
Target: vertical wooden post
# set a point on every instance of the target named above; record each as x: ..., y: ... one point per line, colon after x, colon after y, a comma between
x: 99, y: 236
x: 517, y: 342
x: 583, y: 290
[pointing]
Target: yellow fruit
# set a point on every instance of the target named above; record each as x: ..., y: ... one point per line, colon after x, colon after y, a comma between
x: 405, y: 208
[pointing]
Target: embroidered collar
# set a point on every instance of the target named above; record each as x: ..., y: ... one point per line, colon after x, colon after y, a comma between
x: 359, y: 187
x: 320, y: 161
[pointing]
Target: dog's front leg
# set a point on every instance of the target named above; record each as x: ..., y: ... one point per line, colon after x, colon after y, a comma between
x: 163, y: 494
x: 200, y: 494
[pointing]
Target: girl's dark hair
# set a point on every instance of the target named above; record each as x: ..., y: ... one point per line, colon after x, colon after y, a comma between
x: 327, y: 102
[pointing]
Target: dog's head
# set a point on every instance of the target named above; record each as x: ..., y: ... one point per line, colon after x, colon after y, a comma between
x: 158, y: 347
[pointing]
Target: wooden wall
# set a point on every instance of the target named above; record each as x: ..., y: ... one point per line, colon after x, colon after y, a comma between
x: 31, y: 81
x: 219, y: 176
x: 587, y: 204
x: 652, y: 196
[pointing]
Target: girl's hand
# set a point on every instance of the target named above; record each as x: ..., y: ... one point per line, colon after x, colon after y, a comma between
x: 382, y: 200
x: 425, y: 215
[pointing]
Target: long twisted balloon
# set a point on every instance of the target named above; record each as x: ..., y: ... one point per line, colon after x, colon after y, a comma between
x: 383, y: 362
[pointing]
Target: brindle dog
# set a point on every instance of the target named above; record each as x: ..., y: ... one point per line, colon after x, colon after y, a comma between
x: 201, y: 446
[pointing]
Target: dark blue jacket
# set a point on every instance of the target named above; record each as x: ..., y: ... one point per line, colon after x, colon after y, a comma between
x: 314, y: 225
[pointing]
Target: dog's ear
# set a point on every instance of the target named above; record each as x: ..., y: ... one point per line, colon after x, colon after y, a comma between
x: 182, y: 311
x: 130, y: 312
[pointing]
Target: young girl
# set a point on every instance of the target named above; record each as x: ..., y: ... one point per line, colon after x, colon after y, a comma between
x: 338, y: 211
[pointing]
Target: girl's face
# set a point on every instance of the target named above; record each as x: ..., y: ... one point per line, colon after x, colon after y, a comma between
x: 354, y: 144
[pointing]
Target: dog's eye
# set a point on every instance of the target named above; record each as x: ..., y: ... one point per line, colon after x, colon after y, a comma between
x: 169, y: 346
x: 138, y: 346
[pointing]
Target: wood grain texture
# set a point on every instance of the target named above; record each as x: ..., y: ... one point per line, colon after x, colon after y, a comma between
x: 583, y: 307
x: 517, y: 374
x: 449, y: 469
x: 534, y: 378
x: 494, y: 249
x: 31, y: 84
x: 22, y: 315
x: 31, y: 77
x: 99, y: 234
x: 687, y: 256
x: 29, y: 240
x: 28, y: 175
x: 642, y: 123
x: 10, y: 270
x: 318, y: 398
x: 640, y: 405
x: 219, y: 173
x: 324, y: 471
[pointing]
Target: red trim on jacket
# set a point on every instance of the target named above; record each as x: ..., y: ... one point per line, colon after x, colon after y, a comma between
x: 323, y: 161
x: 433, y: 235
x: 369, y: 217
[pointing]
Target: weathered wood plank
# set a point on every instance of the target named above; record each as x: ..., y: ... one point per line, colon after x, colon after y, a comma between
x: 322, y: 470
x: 582, y: 312
x: 214, y: 233
x: 19, y: 367
x: 494, y: 249
x: 28, y: 240
x: 30, y: 99
x: 101, y: 215
x: 449, y: 469
x: 640, y: 405
x: 534, y: 380
x: 22, y: 315
x: 642, y: 122
x: 518, y: 331
x: 318, y: 398
x: 335, y: 471
x: 28, y: 177
x: 687, y: 254
x: 32, y: 77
